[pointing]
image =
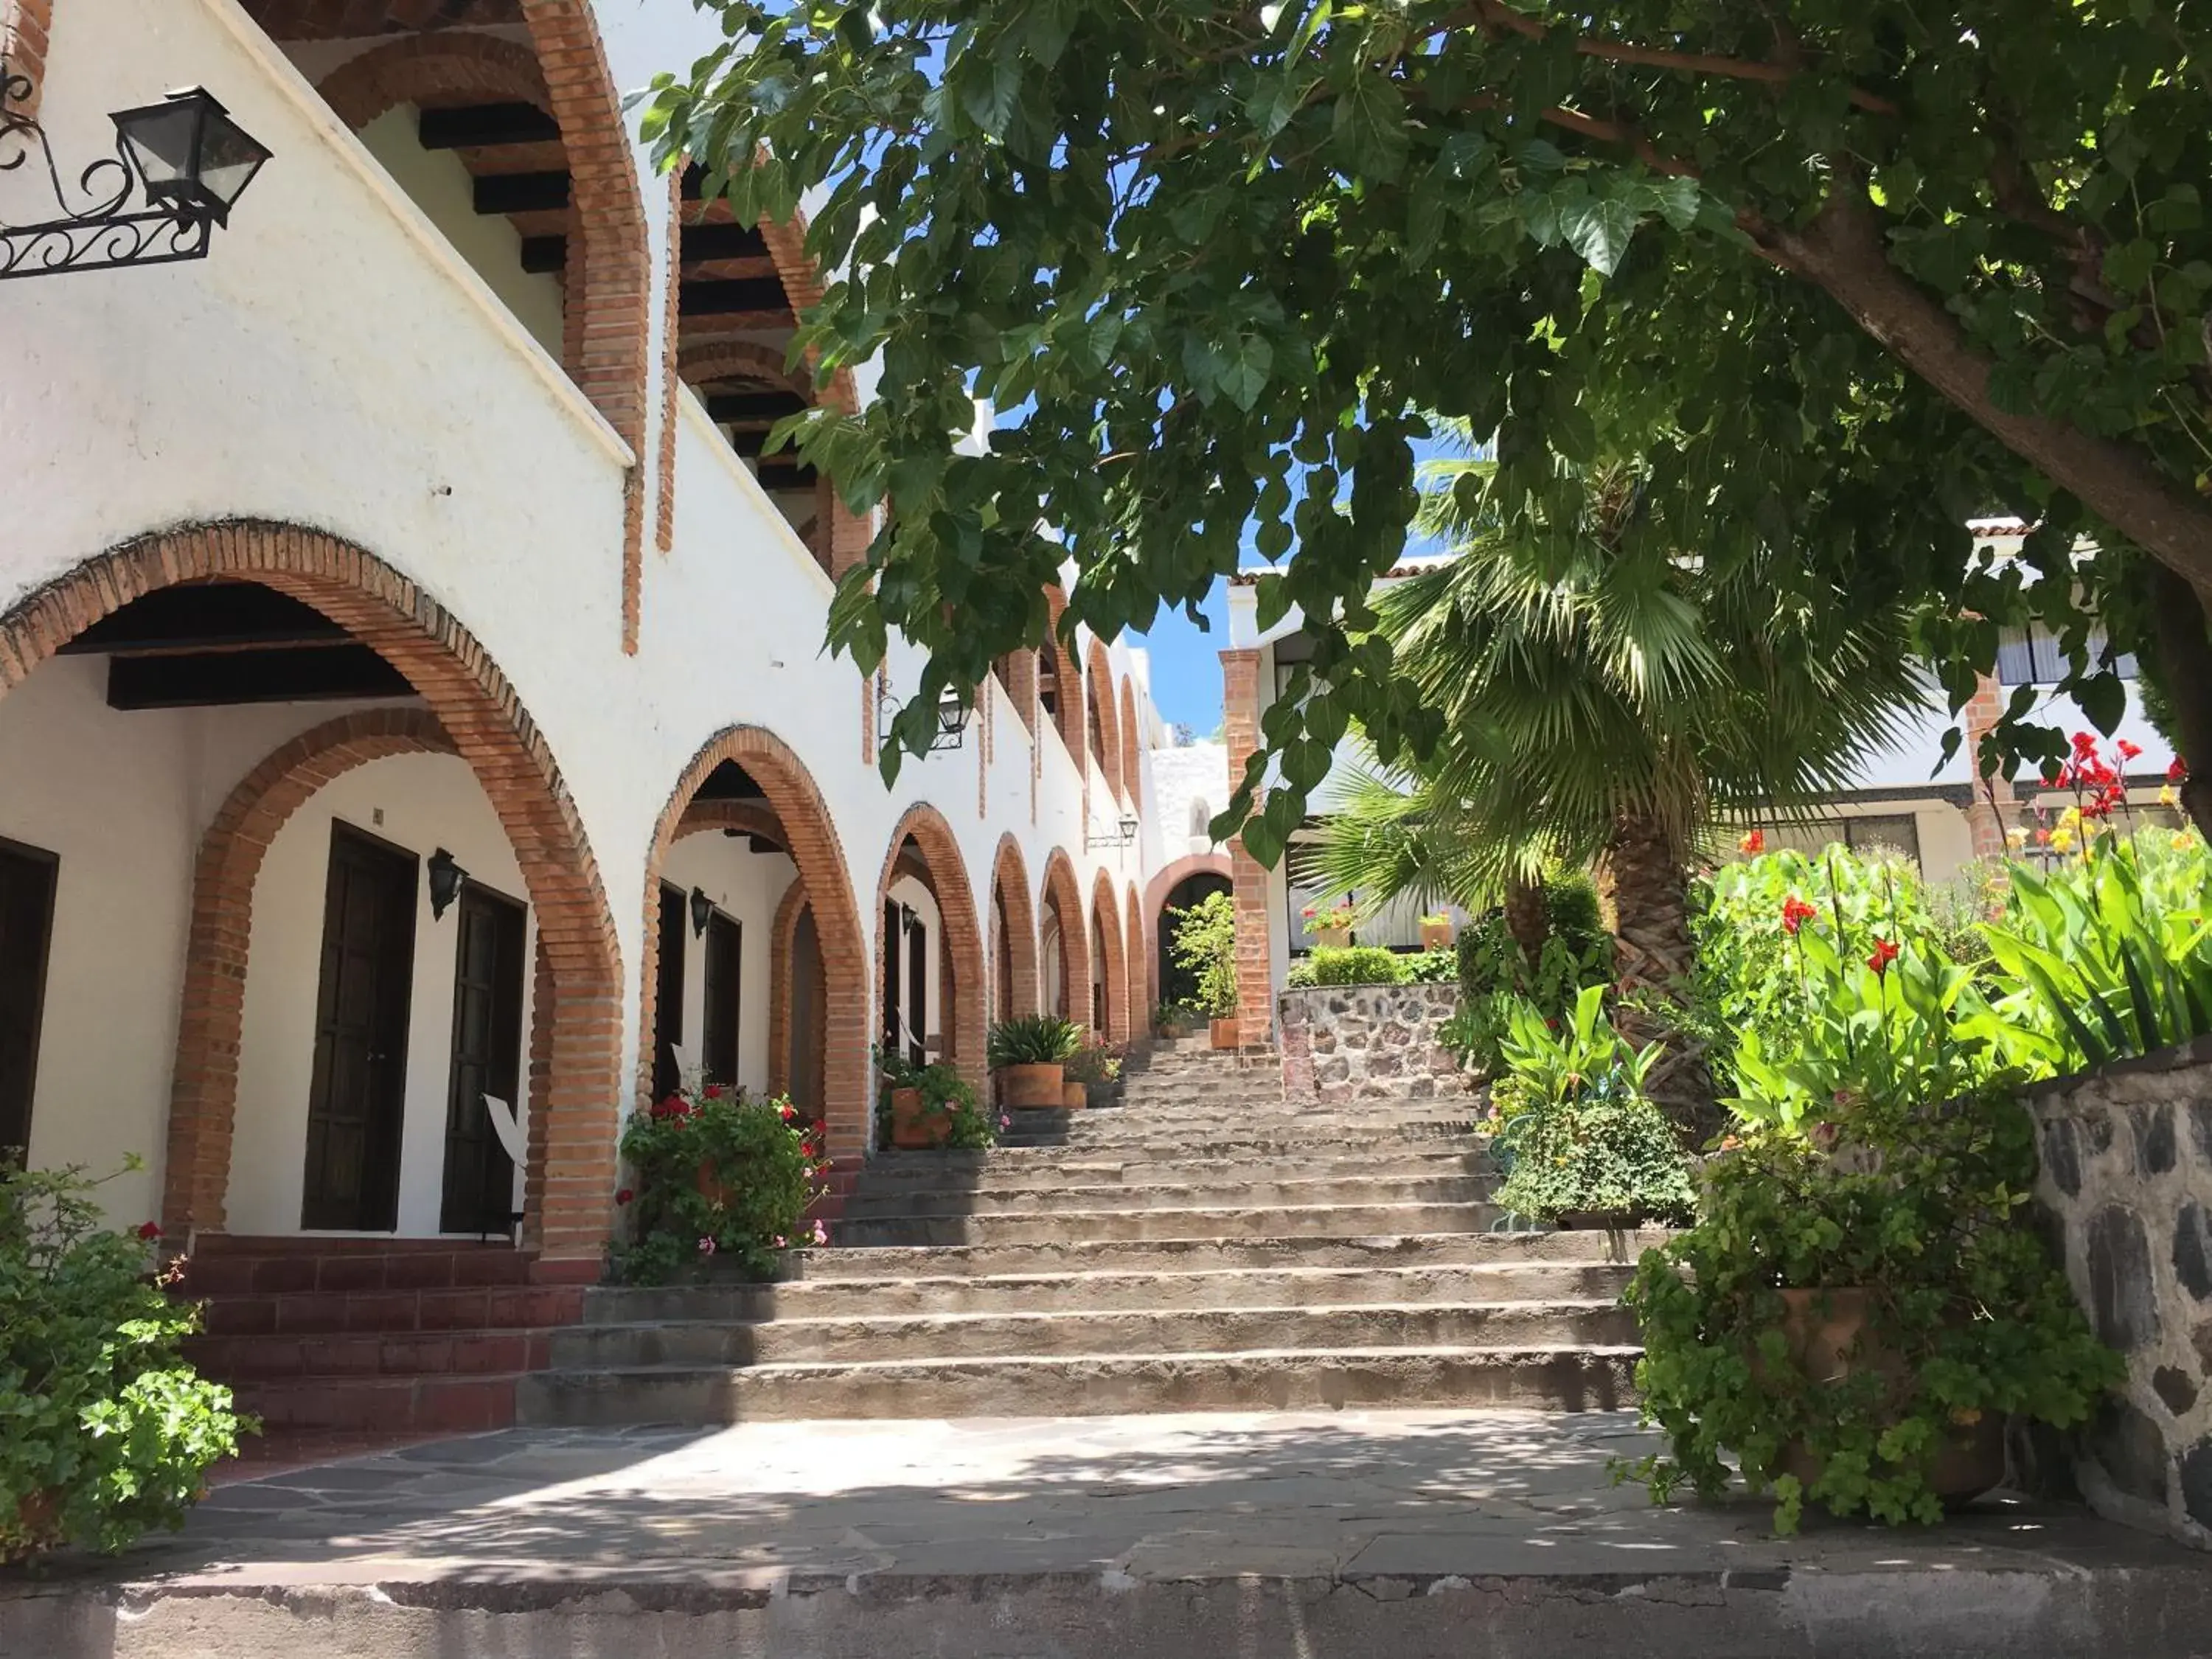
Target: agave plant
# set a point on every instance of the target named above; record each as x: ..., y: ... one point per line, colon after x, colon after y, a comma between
x: 1032, y: 1040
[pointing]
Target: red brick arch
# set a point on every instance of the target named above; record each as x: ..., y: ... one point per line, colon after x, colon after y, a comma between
x: 1098, y: 683
x: 782, y: 934
x: 963, y: 1023
x: 1107, y: 914
x: 1009, y: 881
x: 1132, y: 747
x: 606, y: 310
x: 1142, y: 992
x: 24, y: 26
x: 1069, y: 716
x: 811, y: 837
x: 1060, y: 888
x: 575, y: 1052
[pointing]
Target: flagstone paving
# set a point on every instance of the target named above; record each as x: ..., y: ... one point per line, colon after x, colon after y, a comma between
x: 1300, y: 1533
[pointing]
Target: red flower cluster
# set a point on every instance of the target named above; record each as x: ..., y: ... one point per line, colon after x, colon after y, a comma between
x: 1754, y: 844
x: 713, y: 1091
x: 1884, y: 954
x: 2178, y: 771
x: 2089, y: 774
x: 622, y: 1195
x: 150, y: 1230
x: 675, y: 1106
x: 1796, y: 913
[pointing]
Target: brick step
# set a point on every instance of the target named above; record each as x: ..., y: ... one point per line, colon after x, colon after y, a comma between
x: 319, y: 1313
x: 1108, y: 1290
x: 240, y: 1359
x: 1061, y: 1253
x: 1279, y: 1130
x: 916, y: 1338
x: 1210, y: 1222
x: 1164, y: 1192
x: 418, y: 1404
x: 221, y: 1265
x: 1049, y: 1171
x: 1573, y: 1379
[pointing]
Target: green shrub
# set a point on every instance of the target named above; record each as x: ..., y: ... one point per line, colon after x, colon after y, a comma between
x: 1348, y: 964
x: 1032, y: 1040
x: 1494, y: 972
x: 1204, y: 943
x: 720, y: 1178
x: 109, y: 1432
x: 1439, y: 967
x: 1573, y: 1125
x: 1918, y: 1208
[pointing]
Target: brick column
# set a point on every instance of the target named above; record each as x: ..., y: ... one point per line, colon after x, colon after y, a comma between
x: 1239, y: 694
x: 1988, y: 827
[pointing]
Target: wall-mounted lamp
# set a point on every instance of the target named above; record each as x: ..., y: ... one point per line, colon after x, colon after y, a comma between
x: 702, y: 912
x: 952, y: 717
x: 1125, y: 832
x: 447, y: 880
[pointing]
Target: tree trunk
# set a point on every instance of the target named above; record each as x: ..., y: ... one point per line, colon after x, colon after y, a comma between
x: 2185, y: 672
x: 1526, y: 918
x: 1655, y: 956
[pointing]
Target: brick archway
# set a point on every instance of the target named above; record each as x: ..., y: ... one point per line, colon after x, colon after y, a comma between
x: 607, y: 308
x: 962, y: 1025
x: 1010, y: 884
x: 1067, y: 680
x: 782, y: 933
x: 1132, y: 772
x: 1059, y: 890
x: 804, y: 822
x: 575, y: 1062
x: 1098, y: 684
x: 203, y: 1086
x: 1142, y: 993
x: 1106, y: 916
x: 1163, y: 885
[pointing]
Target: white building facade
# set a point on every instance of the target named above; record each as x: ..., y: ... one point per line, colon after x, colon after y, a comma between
x: 412, y: 683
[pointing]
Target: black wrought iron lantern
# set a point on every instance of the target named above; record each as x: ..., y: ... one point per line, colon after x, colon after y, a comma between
x: 180, y: 166
x: 1129, y: 828
x: 702, y: 912
x: 447, y: 880
x: 190, y: 153
x: 952, y: 720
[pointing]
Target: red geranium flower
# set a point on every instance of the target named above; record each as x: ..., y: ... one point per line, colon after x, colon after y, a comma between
x: 623, y: 1195
x: 1796, y: 913
x: 1884, y: 954
x: 713, y: 1091
x: 150, y: 1230
x: 1754, y: 844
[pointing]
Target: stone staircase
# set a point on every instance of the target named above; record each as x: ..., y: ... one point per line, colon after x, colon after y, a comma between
x: 1199, y: 1247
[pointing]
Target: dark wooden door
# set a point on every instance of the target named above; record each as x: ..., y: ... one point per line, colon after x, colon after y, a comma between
x: 668, y: 993
x: 357, y: 1097
x: 809, y: 989
x: 26, y: 928
x: 894, y: 938
x: 718, y: 1039
x: 487, y: 1060
x: 917, y: 989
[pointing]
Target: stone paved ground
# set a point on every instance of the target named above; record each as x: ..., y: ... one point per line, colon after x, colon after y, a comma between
x: 1313, y: 1536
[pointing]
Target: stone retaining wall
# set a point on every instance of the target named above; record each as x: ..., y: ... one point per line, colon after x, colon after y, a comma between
x: 1344, y: 1043
x: 2127, y: 1179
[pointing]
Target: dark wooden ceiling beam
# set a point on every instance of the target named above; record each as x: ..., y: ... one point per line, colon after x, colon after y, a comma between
x: 218, y: 679
x: 522, y: 192
x: 723, y: 241
x: 474, y: 126
x: 721, y: 299
x: 748, y: 406
x: 208, y: 615
x: 709, y: 271
x: 544, y: 256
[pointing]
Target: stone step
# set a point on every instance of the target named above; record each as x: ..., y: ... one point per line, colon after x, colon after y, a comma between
x: 407, y: 1405
x: 450, y: 1312
x: 1281, y: 1131
x: 1572, y: 1379
x: 915, y: 1338
x: 240, y: 1359
x: 1157, y: 1193
x: 1105, y: 1290
x: 1075, y: 1165
x: 1212, y: 1221
x: 1061, y: 1254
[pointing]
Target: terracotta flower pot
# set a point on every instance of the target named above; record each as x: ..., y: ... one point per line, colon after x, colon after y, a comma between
x: 1031, y: 1085
x: 1331, y: 938
x: 1073, y: 1094
x: 1436, y: 935
x: 1827, y: 1336
x: 708, y: 1180
x: 1223, y: 1033
x: 913, y: 1128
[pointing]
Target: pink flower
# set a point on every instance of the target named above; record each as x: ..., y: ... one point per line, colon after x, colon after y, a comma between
x: 624, y: 1195
x: 1884, y: 954
x: 706, y: 1245
x: 777, y: 1242
x: 1006, y: 1120
x: 821, y: 1233
x: 150, y: 1230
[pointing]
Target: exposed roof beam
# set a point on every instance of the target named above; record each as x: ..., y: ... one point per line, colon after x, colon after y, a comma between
x: 522, y: 192
x: 544, y: 256
x: 723, y: 241
x: 468, y: 126
x: 720, y: 299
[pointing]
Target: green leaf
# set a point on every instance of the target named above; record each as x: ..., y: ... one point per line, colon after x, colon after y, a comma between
x: 1598, y: 228
x: 1370, y: 127
x: 1244, y: 370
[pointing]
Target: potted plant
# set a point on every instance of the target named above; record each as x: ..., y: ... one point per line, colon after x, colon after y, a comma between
x: 1437, y: 932
x: 1331, y: 928
x: 1177, y: 1019
x: 1581, y: 1143
x: 930, y: 1106
x: 1205, y: 942
x: 1093, y: 1069
x: 1027, y: 1054
x: 720, y: 1179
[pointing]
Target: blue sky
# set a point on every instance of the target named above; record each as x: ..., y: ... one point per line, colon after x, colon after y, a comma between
x: 1186, y: 663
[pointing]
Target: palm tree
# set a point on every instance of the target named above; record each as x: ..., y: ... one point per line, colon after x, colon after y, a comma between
x: 1608, y: 700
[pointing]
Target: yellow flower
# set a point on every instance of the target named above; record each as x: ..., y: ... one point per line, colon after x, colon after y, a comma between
x: 2069, y: 818
x: 2062, y: 839
x: 2181, y: 841
x: 2169, y: 796
x: 2015, y: 838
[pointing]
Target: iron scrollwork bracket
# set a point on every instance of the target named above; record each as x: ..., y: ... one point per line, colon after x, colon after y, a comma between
x: 102, y: 229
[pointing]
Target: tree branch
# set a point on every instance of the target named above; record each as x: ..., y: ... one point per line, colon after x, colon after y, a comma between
x: 1841, y: 252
